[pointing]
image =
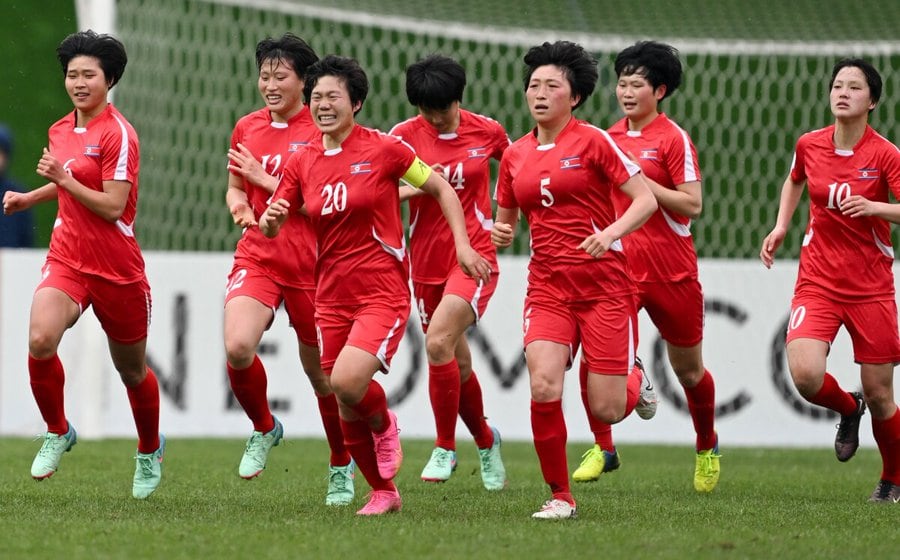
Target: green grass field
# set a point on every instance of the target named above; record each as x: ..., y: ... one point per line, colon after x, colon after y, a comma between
x: 769, y: 504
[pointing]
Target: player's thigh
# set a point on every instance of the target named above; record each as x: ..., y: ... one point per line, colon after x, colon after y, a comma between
x: 427, y: 297
x: 130, y: 360
x: 123, y: 310
x: 246, y: 319
x: 476, y: 293
x: 450, y: 320
x: 353, y: 370
x: 676, y: 309
x: 547, y: 363
x: 301, y: 311
x: 53, y: 311
x: 609, y: 337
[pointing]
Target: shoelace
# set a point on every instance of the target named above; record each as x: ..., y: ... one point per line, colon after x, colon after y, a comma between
x: 145, y: 463
x: 706, y: 464
x: 256, y: 443
x: 52, y: 444
x: 339, y: 480
x: 443, y: 459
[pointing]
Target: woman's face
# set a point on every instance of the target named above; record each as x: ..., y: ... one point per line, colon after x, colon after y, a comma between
x: 280, y: 87
x: 636, y: 97
x: 549, y: 95
x: 850, y: 94
x: 443, y: 120
x: 86, y: 84
x: 331, y: 108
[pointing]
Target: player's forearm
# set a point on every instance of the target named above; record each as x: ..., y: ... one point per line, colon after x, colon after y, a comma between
x: 42, y: 194
x: 453, y: 213
x: 787, y: 203
x: 109, y: 206
x: 685, y: 200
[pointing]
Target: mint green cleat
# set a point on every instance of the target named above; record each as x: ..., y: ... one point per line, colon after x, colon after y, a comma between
x: 340, y: 485
x: 440, y: 466
x: 148, y: 471
x: 257, y: 452
x: 493, y: 473
x: 46, y: 462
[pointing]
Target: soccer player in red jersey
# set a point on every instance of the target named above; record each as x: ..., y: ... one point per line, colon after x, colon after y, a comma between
x: 267, y: 272
x: 661, y: 254
x: 92, y: 166
x: 346, y: 181
x: 562, y: 176
x: 846, y: 275
x: 460, y: 145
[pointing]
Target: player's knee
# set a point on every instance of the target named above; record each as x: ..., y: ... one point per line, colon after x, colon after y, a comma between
x: 439, y: 348
x: 239, y: 353
x: 608, y: 412
x: 689, y: 376
x: 806, y: 381
x: 42, y: 344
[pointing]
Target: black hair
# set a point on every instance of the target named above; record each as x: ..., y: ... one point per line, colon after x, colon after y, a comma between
x: 873, y: 78
x: 288, y: 47
x: 578, y: 66
x: 657, y: 62
x: 105, y: 48
x: 346, y: 69
x: 435, y: 82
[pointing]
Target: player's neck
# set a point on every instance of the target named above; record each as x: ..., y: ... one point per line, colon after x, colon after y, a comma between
x: 847, y: 133
x: 639, y: 123
x: 286, y: 117
x: 548, y: 131
x: 333, y: 140
x: 82, y: 118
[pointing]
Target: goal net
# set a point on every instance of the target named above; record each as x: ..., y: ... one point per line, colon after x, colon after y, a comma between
x: 745, y: 99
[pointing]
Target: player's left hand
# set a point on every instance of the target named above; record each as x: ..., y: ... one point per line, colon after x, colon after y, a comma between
x: 473, y: 264
x: 597, y: 244
x: 856, y: 206
x: 244, y: 163
x: 50, y: 168
x: 242, y: 215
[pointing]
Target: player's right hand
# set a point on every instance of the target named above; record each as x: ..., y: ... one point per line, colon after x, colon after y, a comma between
x: 14, y: 202
x: 242, y: 215
x: 275, y: 215
x: 501, y: 235
x: 771, y: 244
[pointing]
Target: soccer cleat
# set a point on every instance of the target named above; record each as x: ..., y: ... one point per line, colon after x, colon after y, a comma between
x: 493, y: 473
x: 886, y: 492
x: 388, y: 453
x: 46, y: 462
x: 381, y: 502
x: 647, y: 401
x: 706, y: 469
x: 846, y: 442
x: 340, y: 485
x: 555, y: 509
x: 257, y: 452
x: 440, y: 466
x: 595, y: 462
x: 148, y: 471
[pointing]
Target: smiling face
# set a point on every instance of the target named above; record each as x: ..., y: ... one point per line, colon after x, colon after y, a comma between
x: 86, y: 85
x: 850, y: 95
x: 549, y: 96
x: 637, y: 98
x: 332, y: 110
x: 281, y: 88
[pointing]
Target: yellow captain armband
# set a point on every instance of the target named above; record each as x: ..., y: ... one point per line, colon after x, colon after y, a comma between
x: 418, y: 173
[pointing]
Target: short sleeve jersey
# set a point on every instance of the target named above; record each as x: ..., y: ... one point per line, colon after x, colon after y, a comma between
x: 290, y: 257
x: 351, y: 196
x: 565, y: 191
x: 846, y: 259
x: 661, y: 250
x: 465, y: 157
x: 107, y: 149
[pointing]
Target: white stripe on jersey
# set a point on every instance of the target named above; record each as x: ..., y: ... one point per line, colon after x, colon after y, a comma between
x: 121, y: 173
x: 633, y: 168
x: 690, y: 166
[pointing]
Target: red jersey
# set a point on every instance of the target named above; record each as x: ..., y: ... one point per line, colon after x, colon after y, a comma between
x: 465, y: 156
x: 288, y: 258
x: 662, y: 250
x: 565, y: 191
x: 849, y: 258
x: 106, y: 150
x: 353, y: 202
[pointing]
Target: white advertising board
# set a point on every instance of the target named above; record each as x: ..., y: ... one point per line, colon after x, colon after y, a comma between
x: 747, y: 307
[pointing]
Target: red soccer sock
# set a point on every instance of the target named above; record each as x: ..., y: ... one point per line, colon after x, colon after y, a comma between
x: 47, y: 381
x: 331, y: 421
x: 549, y: 428
x: 601, y: 430
x: 249, y: 387
x: 144, y: 399
x: 444, y: 391
x: 471, y: 410
x: 358, y: 440
x: 887, y: 436
x: 701, y: 400
x: 633, y: 389
x: 373, y: 408
x: 832, y: 396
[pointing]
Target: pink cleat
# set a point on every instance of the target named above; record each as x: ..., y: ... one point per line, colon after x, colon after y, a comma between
x: 388, y: 453
x: 381, y: 502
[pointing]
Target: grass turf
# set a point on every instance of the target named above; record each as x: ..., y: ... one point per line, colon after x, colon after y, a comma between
x: 769, y: 503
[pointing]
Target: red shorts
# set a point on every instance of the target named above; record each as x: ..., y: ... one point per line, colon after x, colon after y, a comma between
x: 676, y: 308
x: 606, y: 328
x: 477, y: 294
x: 122, y: 309
x: 298, y: 302
x: 374, y: 327
x: 872, y: 325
